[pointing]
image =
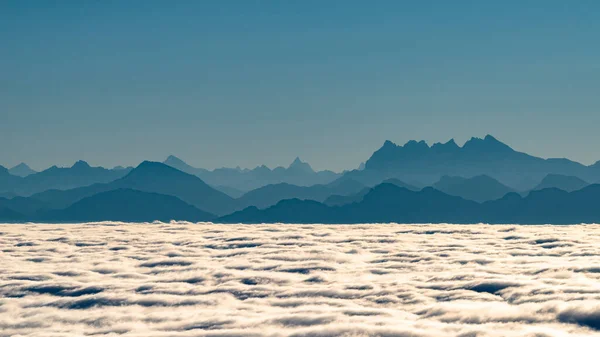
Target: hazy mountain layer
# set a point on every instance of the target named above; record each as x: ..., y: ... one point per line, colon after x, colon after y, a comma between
x: 297, y: 173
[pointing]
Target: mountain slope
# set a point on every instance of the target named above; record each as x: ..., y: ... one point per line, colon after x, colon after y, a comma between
x: 127, y: 205
x: 389, y: 203
x: 418, y: 162
x: 9, y: 215
x: 349, y: 198
x: 78, y: 175
x: 383, y: 203
x: 21, y: 170
x: 479, y: 188
x: 562, y: 182
x: 271, y: 194
x: 183, y: 166
x: 297, y: 173
x: 8, y: 182
x: 155, y: 178
x: 23, y: 205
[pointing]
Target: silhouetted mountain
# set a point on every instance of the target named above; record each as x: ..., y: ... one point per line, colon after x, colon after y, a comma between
x: 551, y: 205
x: 479, y: 188
x: 269, y: 195
x: 230, y: 191
x: 9, y: 215
x: 23, y: 205
x: 8, y: 182
x: 400, y: 183
x: 298, y: 166
x: 383, y: 203
x: 389, y: 203
x: 155, y: 178
x: 7, y: 195
x: 339, y: 200
x: 418, y: 162
x: 183, y: 166
x: 122, y: 169
x: 127, y: 205
x: 21, y: 170
x: 80, y: 174
x: 297, y: 173
x: 565, y: 183
x: 353, y: 196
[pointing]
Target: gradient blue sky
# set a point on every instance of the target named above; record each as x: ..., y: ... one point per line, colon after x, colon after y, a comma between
x: 226, y: 83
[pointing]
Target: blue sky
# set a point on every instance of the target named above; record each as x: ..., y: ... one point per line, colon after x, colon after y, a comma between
x: 227, y: 83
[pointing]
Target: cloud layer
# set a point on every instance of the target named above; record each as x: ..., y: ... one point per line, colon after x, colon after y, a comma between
x: 182, y: 279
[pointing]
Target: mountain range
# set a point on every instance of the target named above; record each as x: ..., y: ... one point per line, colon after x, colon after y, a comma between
x: 297, y: 173
x: 417, y: 162
x: 483, y: 181
x: 389, y: 203
x: 62, y: 178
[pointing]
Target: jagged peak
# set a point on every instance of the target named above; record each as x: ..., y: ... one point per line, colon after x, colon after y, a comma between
x: 488, y: 141
x: 451, y: 144
x: 389, y: 143
x: 174, y: 159
x: 262, y: 167
x: 416, y: 144
x: 299, y: 164
x: 80, y: 164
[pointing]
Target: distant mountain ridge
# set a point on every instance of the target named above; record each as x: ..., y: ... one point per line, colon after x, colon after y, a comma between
x: 479, y: 188
x: 297, y: 173
x: 473, y: 182
x: 389, y: 203
x: 62, y: 178
x: 417, y: 161
x: 21, y: 170
x: 151, y: 177
x: 127, y: 205
x: 562, y: 182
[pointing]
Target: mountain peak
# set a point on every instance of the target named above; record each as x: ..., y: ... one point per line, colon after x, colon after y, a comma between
x: 21, y: 166
x: 21, y: 170
x: 489, y: 137
x: 488, y: 143
x: 299, y: 165
x: 388, y: 143
x: 146, y: 164
x: 173, y: 160
x: 80, y: 164
x: 449, y: 145
x: 414, y: 143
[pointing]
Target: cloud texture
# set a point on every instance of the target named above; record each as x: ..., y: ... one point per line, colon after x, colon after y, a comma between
x: 182, y: 279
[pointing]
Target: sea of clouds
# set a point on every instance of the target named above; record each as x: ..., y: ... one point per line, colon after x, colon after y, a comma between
x: 182, y: 279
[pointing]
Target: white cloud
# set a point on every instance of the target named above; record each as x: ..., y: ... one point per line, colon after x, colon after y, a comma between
x: 182, y: 279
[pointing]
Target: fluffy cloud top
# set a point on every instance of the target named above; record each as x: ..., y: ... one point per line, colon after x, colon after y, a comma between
x: 182, y: 279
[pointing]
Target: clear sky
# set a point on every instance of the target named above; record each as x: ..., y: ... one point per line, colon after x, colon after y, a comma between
x: 227, y: 83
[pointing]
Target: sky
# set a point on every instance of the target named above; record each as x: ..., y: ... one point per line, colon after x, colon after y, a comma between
x: 245, y: 83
